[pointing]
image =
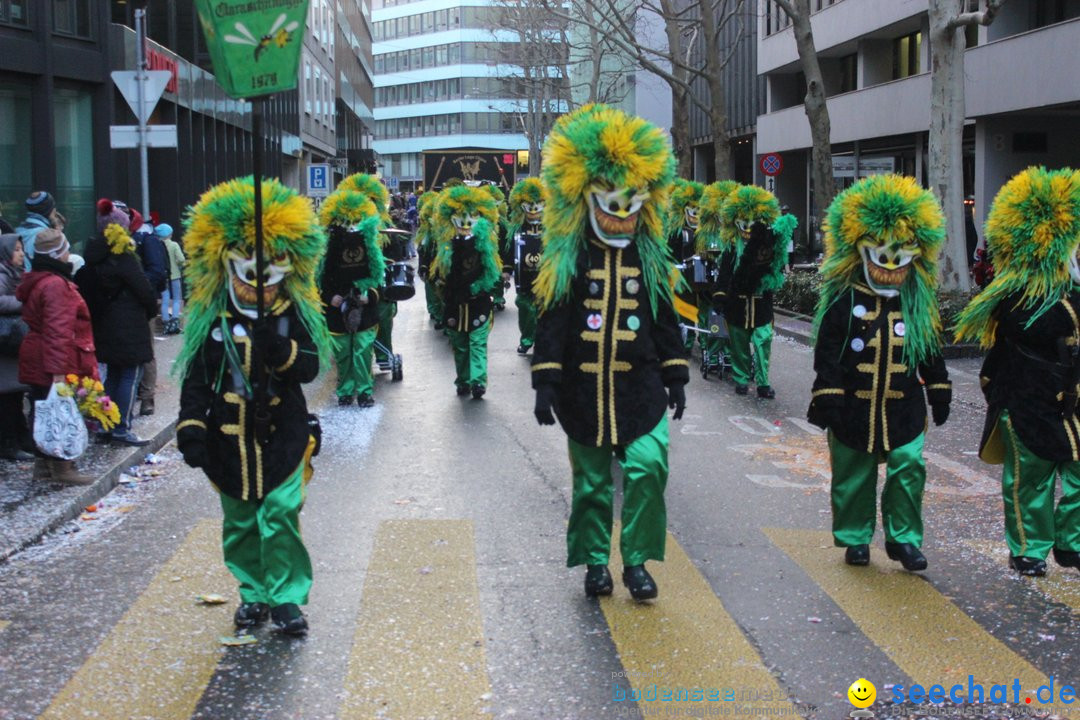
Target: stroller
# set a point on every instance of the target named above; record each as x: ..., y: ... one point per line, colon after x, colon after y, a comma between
x: 714, y: 343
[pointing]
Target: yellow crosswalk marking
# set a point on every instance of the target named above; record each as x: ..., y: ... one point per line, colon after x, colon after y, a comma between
x: 4, y: 624
x: 921, y: 630
x: 158, y: 659
x: 686, y: 640
x: 1061, y: 585
x: 418, y: 651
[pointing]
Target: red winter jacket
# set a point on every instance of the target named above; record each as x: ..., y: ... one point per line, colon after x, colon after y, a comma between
x: 61, y: 339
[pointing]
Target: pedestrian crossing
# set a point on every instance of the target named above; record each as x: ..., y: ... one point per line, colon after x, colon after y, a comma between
x: 418, y: 645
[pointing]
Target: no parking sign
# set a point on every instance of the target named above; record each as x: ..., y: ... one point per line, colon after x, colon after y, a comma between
x: 771, y: 164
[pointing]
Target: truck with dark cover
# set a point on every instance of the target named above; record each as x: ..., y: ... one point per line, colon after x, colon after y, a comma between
x: 471, y: 165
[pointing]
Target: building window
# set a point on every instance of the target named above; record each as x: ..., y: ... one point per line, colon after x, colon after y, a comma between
x: 906, y: 51
x: 15, y: 12
x: 74, y: 141
x: 72, y: 17
x: 15, y: 149
x: 849, y: 72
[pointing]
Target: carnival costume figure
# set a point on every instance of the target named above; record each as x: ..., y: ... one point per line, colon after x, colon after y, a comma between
x: 1028, y: 319
x: 609, y: 357
x: 710, y: 250
x: 350, y: 279
x: 258, y: 458
x: 468, y: 267
x: 425, y: 242
x: 878, y: 361
x: 754, y: 238
x: 682, y: 227
x: 505, y: 245
x: 524, y: 228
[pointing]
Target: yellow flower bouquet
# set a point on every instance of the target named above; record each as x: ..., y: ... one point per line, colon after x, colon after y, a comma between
x: 96, y: 407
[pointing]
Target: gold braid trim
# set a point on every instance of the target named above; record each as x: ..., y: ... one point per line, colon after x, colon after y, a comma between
x: 190, y: 423
x: 292, y: 358
x: 547, y: 366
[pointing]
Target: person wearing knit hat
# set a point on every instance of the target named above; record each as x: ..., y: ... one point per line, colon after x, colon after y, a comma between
x: 109, y: 212
x: 41, y: 213
x: 173, y: 292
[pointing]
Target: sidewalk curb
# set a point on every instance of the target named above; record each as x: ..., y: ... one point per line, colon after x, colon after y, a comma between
x: 71, y: 509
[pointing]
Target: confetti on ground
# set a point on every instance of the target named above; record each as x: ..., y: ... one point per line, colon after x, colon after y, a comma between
x: 813, y: 619
x: 211, y: 599
x: 237, y: 640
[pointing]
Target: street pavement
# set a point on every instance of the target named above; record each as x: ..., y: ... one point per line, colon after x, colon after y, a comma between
x: 437, y: 529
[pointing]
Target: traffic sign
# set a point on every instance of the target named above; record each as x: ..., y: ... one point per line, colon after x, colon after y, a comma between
x: 393, y: 183
x: 127, y: 136
x: 771, y: 163
x: 127, y: 81
x: 318, y: 180
x: 770, y: 183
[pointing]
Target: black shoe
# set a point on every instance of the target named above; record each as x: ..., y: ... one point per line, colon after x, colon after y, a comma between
x: 500, y: 306
x: 251, y: 614
x: 523, y: 349
x: 344, y: 400
x: 1067, y: 558
x: 857, y: 555
x: 598, y: 581
x: 440, y: 325
x: 462, y: 390
x: 640, y: 582
x: 365, y: 400
x: 127, y: 438
x: 909, y: 556
x: 1032, y: 567
x: 478, y: 391
x: 741, y: 390
x: 764, y: 391
x: 146, y: 407
x: 289, y: 620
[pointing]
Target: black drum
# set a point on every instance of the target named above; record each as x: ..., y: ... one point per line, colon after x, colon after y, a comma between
x: 399, y: 282
x: 396, y: 247
x: 527, y: 249
x: 700, y: 273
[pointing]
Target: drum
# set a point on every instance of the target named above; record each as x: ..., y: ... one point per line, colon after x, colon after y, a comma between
x: 399, y: 282
x: 527, y: 248
x: 396, y: 248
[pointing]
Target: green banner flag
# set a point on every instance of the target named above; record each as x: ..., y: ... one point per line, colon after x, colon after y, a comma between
x: 254, y: 44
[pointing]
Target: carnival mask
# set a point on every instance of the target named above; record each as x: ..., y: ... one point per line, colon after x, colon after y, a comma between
x: 886, y: 266
x: 744, y: 226
x: 463, y: 224
x: 614, y: 213
x: 691, y: 216
x: 242, y: 276
x: 1074, y: 266
x: 533, y: 212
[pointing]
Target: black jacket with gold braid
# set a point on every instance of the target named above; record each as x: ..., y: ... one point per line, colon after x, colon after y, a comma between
x: 1034, y: 373
x: 606, y: 354
x: 463, y: 310
x: 347, y: 262
x: 736, y: 288
x: 216, y: 407
x: 862, y: 378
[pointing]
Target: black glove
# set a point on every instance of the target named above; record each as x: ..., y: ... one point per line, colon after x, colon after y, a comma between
x: 191, y: 441
x: 275, y: 349
x: 547, y: 400
x: 940, y: 413
x: 677, y: 400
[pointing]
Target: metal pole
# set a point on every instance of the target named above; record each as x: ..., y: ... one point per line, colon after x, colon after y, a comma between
x: 259, y: 374
x: 140, y: 84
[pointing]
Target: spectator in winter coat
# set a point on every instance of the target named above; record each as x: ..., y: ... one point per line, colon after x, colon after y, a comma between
x: 173, y: 293
x: 124, y: 304
x: 15, y: 440
x: 60, y: 340
x: 41, y: 213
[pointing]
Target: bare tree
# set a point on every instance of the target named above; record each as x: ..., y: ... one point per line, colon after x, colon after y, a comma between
x: 948, y: 21
x: 817, y: 110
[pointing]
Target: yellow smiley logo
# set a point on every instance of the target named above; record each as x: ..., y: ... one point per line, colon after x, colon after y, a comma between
x: 862, y: 693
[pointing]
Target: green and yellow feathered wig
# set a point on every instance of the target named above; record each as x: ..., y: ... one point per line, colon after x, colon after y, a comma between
x: 355, y: 211
x: 373, y: 188
x: 684, y: 194
x: 599, y: 147
x: 221, y: 224
x: 892, y: 214
x: 463, y: 210
x: 528, y: 192
x: 499, y: 197
x: 425, y: 211
x: 745, y: 205
x: 1032, y: 233
x: 710, y: 215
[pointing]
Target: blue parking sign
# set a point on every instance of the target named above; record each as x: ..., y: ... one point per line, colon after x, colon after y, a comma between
x: 318, y: 180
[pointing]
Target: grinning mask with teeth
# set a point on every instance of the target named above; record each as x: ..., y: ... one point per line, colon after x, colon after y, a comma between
x: 242, y: 276
x: 691, y: 216
x: 1074, y: 266
x: 613, y: 213
x: 534, y: 212
x: 463, y: 223
x: 885, y: 267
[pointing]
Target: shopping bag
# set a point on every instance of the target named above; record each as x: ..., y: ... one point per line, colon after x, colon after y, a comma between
x: 59, y: 428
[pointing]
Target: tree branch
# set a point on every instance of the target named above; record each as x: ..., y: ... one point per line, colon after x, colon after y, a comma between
x: 977, y: 18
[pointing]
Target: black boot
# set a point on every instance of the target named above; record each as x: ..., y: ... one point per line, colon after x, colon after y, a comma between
x: 741, y: 390
x: 1067, y: 558
x: 344, y: 400
x: 766, y: 392
x: 251, y: 614
x: 1032, y: 567
x: 289, y: 620
x: 462, y: 390
x: 365, y: 400
x: 478, y: 391
x: 857, y: 555
x: 640, y: 582
x: 598, y: 581
x: 523, y: 349
x: 909, y: 556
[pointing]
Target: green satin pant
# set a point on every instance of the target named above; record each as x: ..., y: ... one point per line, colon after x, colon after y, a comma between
x: 1032, y: 524
x: 526, y: 307
x: 741, y: 340
x: 854, y: 493
x: 387, y: 311
x: 262, y: 544
x: 434, y: 302
x: 644, y: 463
x: 470, y: 354
x: 352, y: 356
